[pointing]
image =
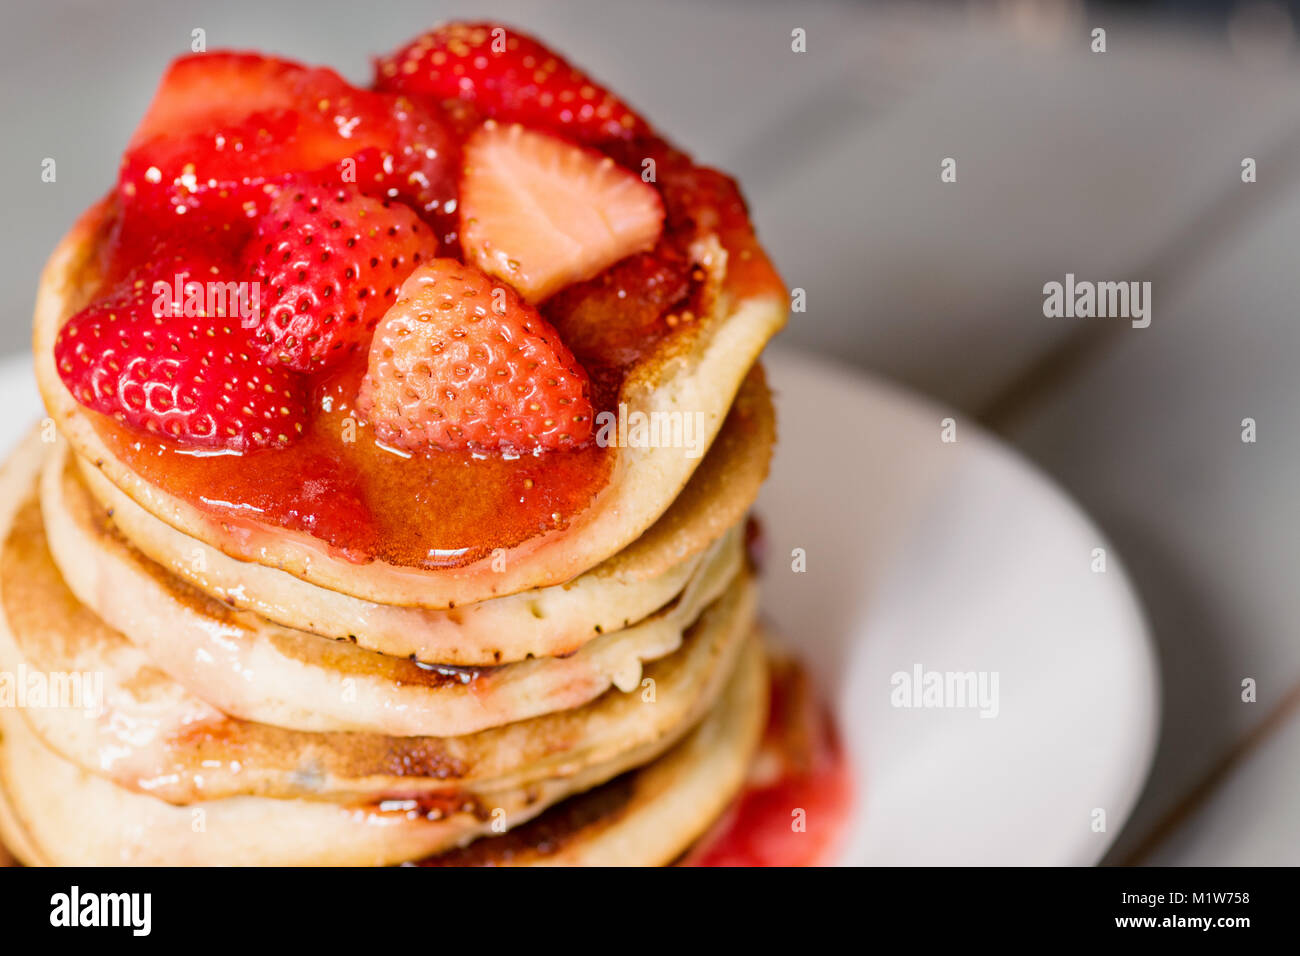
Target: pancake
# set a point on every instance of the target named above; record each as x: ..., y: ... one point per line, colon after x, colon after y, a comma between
x: 58, y: 814
x: 649, y: 816
x: 48, y: 794
x: 548, y: 622
x: 258, y: 671
x: 69, y: 817
x: 15, y: 848
x: 149, y: 733
x: 697, y: 370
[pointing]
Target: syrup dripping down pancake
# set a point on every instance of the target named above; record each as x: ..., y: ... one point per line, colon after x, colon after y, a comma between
x: 258, y: 671
x: 696, y: 371
x: 547, y: 622
x: 150, y: 733
x: 52, y: 813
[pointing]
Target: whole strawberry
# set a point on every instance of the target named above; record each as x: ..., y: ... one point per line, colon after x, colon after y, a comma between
x: 330, y: 262
x: 462, y: 362
x: 161, y: 353
x: 510, y: 76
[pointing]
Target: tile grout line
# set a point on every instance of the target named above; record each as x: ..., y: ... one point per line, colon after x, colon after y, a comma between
x: 1218, y: 222
x: 1073, y: 356
x: 815, y: 120
x: 1217, y: 775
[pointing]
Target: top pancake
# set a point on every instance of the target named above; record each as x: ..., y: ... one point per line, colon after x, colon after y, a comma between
x: 697, y: 370
x: 545, y: 622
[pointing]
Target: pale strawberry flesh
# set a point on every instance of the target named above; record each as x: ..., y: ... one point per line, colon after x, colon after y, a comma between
x: 542, y: 214
x: 462, y: 362
x: 550, y: 201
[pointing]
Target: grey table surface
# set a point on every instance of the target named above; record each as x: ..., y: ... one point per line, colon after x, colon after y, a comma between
x: 1123, y: 165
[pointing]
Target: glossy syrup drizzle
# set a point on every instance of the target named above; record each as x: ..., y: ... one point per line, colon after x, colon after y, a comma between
x: 796, y: 806
x: 445, y: 508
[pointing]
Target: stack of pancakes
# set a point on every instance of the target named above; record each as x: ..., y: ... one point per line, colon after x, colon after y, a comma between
x: 591, y: 696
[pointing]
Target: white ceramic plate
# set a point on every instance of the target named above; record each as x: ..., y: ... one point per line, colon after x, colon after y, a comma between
x: 949, y: 557
x: 954, y: 557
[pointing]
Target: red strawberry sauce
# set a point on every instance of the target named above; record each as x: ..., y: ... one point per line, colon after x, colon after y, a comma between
x: 444, y: 509
x: 796, y: 807
x: 447, y: 509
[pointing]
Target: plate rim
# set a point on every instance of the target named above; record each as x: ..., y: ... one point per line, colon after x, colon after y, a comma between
x: 1140, y: 744
x: 1143, y: 738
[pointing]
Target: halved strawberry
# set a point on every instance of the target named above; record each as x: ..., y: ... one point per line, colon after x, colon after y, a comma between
x: 330, y: 262
x: 223, y: 127
x: 419, y: 165
x: 541, y: 214
x: 226, y: 130
x: 462, y: 363
x: 508, y: 75
x: 229, y: 172
x: 204, y: 91
x: 612, y: 318
x: 161, y: 358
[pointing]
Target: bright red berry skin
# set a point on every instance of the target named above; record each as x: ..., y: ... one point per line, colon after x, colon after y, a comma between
x: 510, y: 76
x: 173, y: 364
x: 226, y: 130
x: 419, y: 165
x: 329, y: 262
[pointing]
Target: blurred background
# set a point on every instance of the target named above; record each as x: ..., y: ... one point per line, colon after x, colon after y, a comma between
x: 1122, y: 165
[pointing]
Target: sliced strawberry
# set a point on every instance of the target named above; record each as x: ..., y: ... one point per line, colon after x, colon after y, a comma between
x: 460, y: 363
x: 204, y: 91
x: 223, y: 126
x: 510, y: 76
x: 541, y: 214
x: 330, y: 262
x: 611, y: 319
x: 274, y: 119
x: 229, y: 172
x: 138, y: 356
x: 419, y: 165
